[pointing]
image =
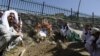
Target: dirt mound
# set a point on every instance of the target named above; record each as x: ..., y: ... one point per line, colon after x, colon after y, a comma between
x: 47, y: 49
x: 40, y: 49
x: 15, y: 52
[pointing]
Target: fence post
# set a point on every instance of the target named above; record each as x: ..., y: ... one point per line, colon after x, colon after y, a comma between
x: 71, y: 13
x: 93, y: 18
x: 9, y: 4
x: 77, y: 16
x: 78, y: 10
x: 43, y: 8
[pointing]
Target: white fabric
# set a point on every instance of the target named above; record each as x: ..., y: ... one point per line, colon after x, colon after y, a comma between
x: 10, y: 33
x: 42, y: 34
x: 14, y: 43
x: 7, y: 35
x: 79, y: 32
x: 3, y: 30
x: 5, y: 20
x: 63, y: 32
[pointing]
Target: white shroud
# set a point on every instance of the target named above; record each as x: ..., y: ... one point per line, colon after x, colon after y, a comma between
x: 79, y: 32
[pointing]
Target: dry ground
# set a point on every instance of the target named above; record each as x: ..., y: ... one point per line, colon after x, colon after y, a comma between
x: 47, y: 49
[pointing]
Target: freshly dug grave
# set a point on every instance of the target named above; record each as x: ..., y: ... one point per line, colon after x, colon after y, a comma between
x: 45, y: 48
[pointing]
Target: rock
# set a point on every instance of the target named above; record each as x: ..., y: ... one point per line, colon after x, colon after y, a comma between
x: 53, y: 43
x: 18, y: 51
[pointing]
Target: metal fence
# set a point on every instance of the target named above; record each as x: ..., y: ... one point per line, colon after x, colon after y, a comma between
x: 36, y: 8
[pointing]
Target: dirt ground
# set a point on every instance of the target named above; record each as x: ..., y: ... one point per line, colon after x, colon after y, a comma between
x: 47, y: 49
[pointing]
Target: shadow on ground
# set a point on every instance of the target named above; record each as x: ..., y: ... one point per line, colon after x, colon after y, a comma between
x: 69, y: 51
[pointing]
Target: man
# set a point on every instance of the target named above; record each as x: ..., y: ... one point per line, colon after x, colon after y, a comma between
x: 86, y: 32
x: 93, y: 43
x: 17, y: 30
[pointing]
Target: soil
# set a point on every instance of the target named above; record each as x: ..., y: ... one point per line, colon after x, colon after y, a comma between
x: 45, y: 48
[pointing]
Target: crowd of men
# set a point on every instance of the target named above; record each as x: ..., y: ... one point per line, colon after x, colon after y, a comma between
x: 12, y: 32
x: 90, y: 37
